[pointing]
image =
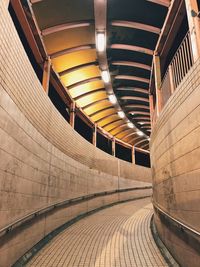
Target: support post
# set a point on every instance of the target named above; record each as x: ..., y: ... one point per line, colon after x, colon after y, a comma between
x: 46, y: 74
x: 151, y: 106
x: 72, y: 114
x: 171, y: 81
x: 157, y: 73
x: 194, y: 26
x: 94, y: 135
x: 113, y: 147
x: 133, y: 154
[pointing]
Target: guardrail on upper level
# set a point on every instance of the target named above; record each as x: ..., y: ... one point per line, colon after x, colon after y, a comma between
x: 67, y: 202
x: 177, y: 69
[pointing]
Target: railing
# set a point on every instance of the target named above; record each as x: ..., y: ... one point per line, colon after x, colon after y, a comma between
x: 185, y: 232
x: 67, y: 202
x: 178, y: 68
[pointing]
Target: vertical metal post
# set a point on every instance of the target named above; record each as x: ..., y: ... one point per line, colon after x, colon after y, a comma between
x: 151, y: 106
x: 133, y: 154
x: 72, y: 114
x: 157, y: 72
x: 171, y: 81
x: 46, y: 74
x: 94, y: 136
x: 113, y: 147
x: 194, y: 26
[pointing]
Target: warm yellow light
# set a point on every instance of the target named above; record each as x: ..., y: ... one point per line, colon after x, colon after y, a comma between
x: 101, y: 42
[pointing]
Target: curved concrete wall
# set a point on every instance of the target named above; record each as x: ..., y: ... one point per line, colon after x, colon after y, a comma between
x: 43, y: 160
x: 175, y: 157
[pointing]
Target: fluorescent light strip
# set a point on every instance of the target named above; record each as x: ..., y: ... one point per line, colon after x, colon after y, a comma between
x: 101, y: 41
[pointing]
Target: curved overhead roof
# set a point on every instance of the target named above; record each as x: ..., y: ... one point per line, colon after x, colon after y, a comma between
x: 132, y: 28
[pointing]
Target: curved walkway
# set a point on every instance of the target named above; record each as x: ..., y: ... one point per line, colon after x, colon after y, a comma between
x: 119, y: 236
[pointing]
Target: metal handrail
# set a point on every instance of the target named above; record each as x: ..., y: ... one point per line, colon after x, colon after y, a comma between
x: 71, y: 201
x: 177, y: 222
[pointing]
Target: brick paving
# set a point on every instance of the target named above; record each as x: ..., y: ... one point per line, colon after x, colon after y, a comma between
x: 119, y: 236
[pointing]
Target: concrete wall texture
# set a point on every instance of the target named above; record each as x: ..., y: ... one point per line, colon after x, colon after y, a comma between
x: 175, y: 154
x: 43, y: 160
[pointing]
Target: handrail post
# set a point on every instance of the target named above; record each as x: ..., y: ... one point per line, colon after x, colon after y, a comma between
x: 194, y: 26
x: 151, y: 108
x: 133, y: 154
x: 46, y: 74
x: 72, y: 114
x: 113, y: 147
x: 94, y: 135
x: 172, y: 88
x: 157, y: 72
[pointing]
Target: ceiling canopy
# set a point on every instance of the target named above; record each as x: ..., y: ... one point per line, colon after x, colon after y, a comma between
x: 108, y: 80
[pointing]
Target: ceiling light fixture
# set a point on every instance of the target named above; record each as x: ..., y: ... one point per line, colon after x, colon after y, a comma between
x: 140, y: 133
x: 105, y: 76
x: 121, y: 114
x: 101, y: 42
x: 130, y: 125
x: 112, y: 99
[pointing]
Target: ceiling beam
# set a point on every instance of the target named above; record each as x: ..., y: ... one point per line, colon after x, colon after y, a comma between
x: 118, y: 126
x: 135, y: 25
x: 140, y: 142
x: 79, y: 67
x: 72, y: 50
x: 132, y: 78
x: 133, y: 89
x: 84, y: 82
x: 134, y: 48
x: 94, y: 103
x: 105, y: 117
x: 137, y: 98
x: 165, y: 3
x: 111, y: 123
x: 135, y: 106
x: 139, y: 113
x: 131, y: 64
x: 100, y: 110
x: 89, y: 93
x: 66, y: 26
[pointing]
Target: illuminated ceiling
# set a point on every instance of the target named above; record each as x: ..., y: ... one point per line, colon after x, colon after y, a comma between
x: 132, y: 27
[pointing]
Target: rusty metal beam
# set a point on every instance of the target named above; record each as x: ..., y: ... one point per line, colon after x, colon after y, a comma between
x: 66, y: 26
x: 135, y: 25
x: 134, y: 48
x: 72, y: 50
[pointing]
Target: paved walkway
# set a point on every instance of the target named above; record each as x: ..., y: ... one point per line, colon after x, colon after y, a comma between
x: 119, y: 236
